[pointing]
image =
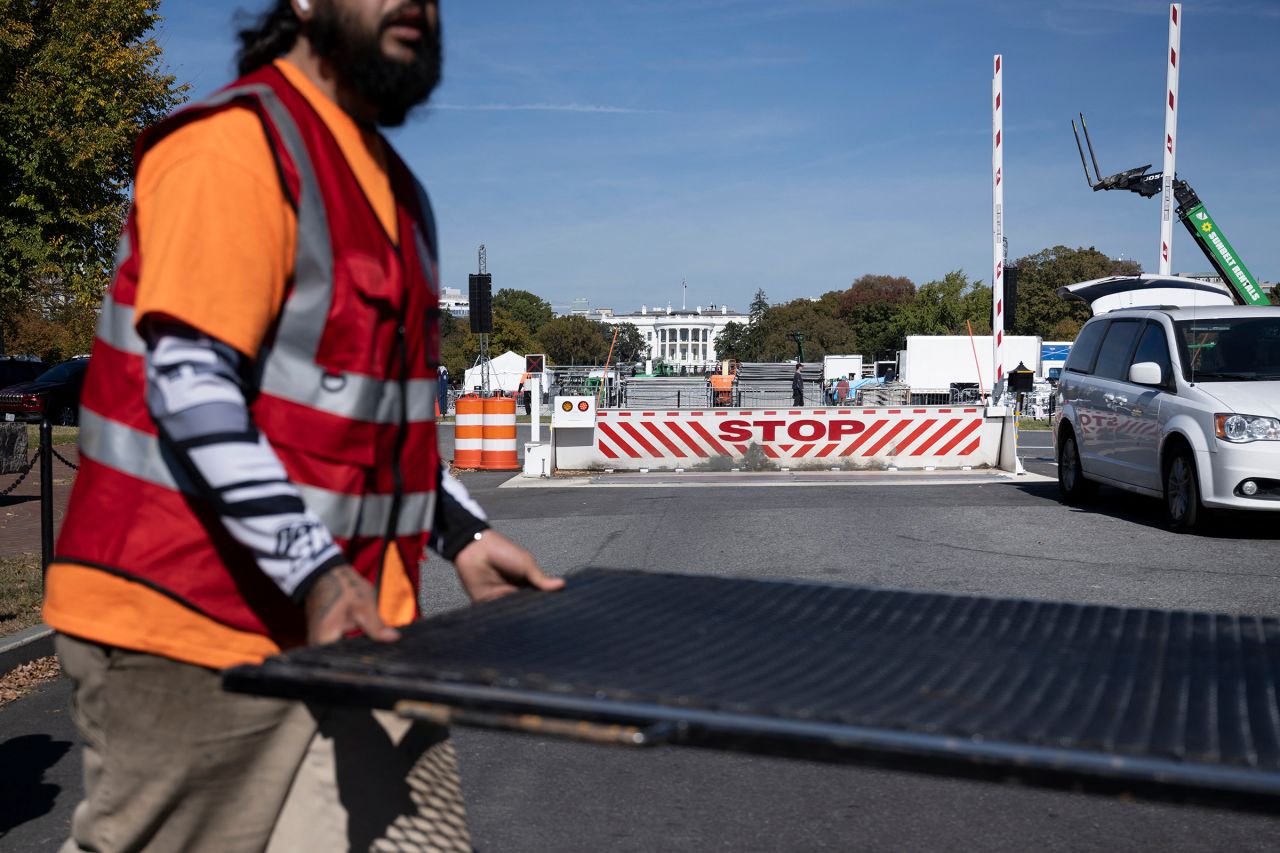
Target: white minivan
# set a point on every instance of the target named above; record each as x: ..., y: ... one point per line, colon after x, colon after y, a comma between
x: 1177, y: 403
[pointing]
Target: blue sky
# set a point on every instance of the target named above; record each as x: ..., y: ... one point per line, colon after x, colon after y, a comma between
x: 611, y: 148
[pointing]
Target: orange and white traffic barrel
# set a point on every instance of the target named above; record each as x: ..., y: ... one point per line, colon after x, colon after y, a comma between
x: 499, y: 449
x: 468, y: 431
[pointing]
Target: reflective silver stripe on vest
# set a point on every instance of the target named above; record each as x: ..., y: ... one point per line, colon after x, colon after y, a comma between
x: 289, y: 369
x: 116, y: 327
x: 129, y: 451
x: 346, y: 517
x: 138, y: 454
x: 348, y: 395
x: 305, y: 312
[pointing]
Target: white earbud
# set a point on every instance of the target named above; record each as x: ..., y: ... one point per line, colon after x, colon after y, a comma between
x: 304, y: 5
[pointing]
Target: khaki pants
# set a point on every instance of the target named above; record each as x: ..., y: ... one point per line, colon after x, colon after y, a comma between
x: 171, y: 762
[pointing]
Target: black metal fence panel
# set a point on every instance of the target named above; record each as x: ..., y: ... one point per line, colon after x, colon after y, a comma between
x: 1163, y: 703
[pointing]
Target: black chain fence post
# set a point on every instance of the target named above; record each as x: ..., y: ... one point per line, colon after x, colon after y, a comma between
x: 65, y: 461
x: 46, y: 495
x: 22, y: 475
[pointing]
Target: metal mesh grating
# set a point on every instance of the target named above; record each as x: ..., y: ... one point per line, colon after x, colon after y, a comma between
x: 1169, y: 699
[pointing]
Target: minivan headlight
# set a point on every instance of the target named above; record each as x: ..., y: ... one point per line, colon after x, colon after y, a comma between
x: 1239, y: 429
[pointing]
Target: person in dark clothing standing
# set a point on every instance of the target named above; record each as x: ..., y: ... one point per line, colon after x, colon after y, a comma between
x: 797, y: 387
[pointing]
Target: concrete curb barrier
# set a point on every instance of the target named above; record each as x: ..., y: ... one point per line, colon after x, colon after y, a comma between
x: 25, y: 646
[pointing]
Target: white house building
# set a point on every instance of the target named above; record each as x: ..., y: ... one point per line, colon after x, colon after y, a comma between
x: 684, y: 338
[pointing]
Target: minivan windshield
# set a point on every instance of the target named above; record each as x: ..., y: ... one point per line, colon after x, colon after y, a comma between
x: 1229, y: 349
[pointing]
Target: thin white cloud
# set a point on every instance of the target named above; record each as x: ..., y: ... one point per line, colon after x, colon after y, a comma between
x: 547, y: 108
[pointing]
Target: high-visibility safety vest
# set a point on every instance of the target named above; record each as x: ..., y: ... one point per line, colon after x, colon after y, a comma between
x: 345, y: 392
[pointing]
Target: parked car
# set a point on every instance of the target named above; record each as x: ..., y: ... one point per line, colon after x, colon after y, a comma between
x: 15, y: 369
x: 1177, y: 403
x: 55, y: 393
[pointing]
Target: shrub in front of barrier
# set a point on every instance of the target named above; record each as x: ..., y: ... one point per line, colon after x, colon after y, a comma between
x: 756, y: 460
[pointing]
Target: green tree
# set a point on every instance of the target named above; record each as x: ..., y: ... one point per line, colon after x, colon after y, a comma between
x: 734, y: 341
x: 873, y: 308
x: 629, y: 347
x: 528, y: 308
x: 1040, y: 310
x: 824, y: 332
x: 759, y: 307
x: 510, y: 333
x: 459, y: 348
x: 947, y: 307
x: 79, y: 79
x: 573, y: 340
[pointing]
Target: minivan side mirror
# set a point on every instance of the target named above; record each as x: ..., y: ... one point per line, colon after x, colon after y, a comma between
x: 1146, y: 373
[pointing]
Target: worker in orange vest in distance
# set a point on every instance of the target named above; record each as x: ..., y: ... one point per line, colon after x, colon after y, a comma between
x: 722, y: 389
x: 525, y: 397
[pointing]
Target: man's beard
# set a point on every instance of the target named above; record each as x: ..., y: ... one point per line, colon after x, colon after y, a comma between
x: 394, y: 87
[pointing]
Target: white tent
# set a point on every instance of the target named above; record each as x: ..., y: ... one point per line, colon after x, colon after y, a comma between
x: 504, y: 374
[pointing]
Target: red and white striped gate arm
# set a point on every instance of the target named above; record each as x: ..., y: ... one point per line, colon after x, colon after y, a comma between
x: 1170, y: 138
x: 997, y: 217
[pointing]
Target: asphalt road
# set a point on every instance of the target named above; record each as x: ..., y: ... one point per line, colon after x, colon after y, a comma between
x: 1009, y: 539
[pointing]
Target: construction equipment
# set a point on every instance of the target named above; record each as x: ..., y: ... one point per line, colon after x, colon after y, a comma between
x: 1191, y: 211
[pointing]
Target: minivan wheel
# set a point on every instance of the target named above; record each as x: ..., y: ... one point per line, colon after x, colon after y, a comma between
x: 1182, y: 492
x: 1072, y: 485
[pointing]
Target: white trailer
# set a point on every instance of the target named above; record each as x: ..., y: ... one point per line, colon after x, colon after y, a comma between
x: 931, y: 364
x: 836, y: 366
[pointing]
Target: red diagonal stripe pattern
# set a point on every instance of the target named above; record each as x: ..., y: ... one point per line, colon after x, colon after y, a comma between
x: 866, y: 434
x: 607, y: 431
x: 657, y: 433
x: 916, y: 433
x: 707, y: 437
x: 937, y: 434
x: 960, y: 436
x: 886, y: 438
x: 684, y: 436
x: 641, y: 440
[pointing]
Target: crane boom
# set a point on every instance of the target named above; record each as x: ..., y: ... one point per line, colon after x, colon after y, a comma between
x: 1191, y: 213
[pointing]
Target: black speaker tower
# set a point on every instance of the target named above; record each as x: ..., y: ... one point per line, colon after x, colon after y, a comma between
x: 481, y: 299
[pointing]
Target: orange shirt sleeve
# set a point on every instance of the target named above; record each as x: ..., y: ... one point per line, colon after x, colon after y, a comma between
x: 216, y: 234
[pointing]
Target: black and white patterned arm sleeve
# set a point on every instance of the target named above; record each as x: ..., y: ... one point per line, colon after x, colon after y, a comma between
x: 195, y: 393
x: 458, y: 517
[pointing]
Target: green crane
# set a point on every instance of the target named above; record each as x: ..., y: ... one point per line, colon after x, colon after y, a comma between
x: 1191, y: 212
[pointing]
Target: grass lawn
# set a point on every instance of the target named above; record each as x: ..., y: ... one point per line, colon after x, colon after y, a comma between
x: 20, y: 592
x: 61, y: 435
x: 1033, y: 423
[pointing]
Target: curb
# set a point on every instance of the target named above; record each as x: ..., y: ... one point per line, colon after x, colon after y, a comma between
x: 25, y: 646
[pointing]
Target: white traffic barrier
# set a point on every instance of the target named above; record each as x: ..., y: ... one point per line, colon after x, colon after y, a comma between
x: 907, y: 437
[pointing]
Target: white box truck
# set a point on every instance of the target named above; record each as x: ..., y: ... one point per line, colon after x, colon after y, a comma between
x: 931, y: 364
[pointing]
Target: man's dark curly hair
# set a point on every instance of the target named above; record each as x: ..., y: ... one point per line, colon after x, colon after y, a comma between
x: 270, y: 36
